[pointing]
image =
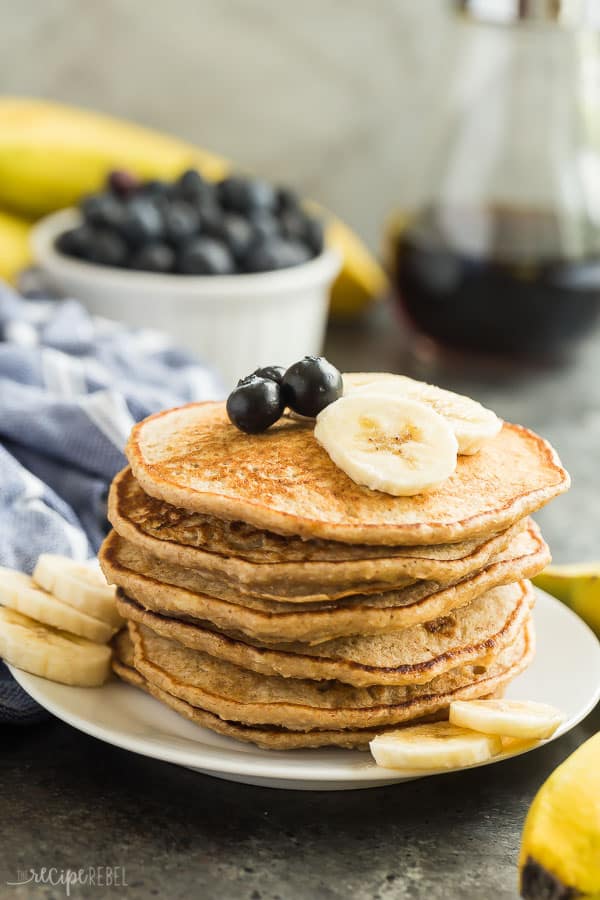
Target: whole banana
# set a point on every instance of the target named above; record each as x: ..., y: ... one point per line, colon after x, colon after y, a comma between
x: 560, y: 848
x: 15, y: 253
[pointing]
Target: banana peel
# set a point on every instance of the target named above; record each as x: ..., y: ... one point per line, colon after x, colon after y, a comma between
x: 560, y: 846
x: 15, y: 252
x: 576, y: 585
x: 51, y: 155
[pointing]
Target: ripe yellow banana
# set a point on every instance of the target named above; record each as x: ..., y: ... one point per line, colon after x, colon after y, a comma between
x: 578, y: 586
x: 15, y: 253
x: 361, y: 279
x: 50, y: 155
x: 560, y: 848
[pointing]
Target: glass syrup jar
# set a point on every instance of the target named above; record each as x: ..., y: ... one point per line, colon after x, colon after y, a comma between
x: 502, y: 255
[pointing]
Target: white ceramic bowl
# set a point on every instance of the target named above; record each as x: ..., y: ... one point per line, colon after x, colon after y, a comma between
x: 234, y: 322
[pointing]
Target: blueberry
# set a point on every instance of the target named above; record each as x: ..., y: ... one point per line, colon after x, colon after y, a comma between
x: 273, y: 373
x: 287, y: 199
x: 211, y: 219
x: 192, y: 188
x: 275, y: 253
x: 156, y: 188
x: 76, y: 242
x: 264, y: 224
x: 245, y: 194
x: 154, y: 257
x: 108, y: 248
x: 314, y: 236
x: 103, y: 210
x: 255, y: 404
x: 236, y: 232
x: 190, y: 184
x: 181, y: 221
x: 297, y: 226
x: 122, y: 183
x: 311, y: 384
x: 143, y: 221
x: 293, y: 224
x: 206, y: 256
x: 204, y: 199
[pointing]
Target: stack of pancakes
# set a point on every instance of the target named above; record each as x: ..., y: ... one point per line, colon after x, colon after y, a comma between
x: 270, y: 598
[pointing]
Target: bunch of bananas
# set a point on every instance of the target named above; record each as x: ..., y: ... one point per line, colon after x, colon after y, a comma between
x: 51, y: 155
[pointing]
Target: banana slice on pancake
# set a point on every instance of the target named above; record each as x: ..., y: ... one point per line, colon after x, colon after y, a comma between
x: 471, y: 422
x: 51, y: 653
x: 523, y: 719
x: 439, y: 745
x: 388, y: 442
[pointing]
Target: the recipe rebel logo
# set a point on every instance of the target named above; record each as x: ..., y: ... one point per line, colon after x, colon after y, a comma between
x: 90, y: 876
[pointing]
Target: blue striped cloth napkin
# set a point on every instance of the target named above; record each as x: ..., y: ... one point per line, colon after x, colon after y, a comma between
x: 71, y: 387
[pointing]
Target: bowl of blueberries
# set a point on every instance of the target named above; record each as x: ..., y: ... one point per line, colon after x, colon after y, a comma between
x: 237, y: 271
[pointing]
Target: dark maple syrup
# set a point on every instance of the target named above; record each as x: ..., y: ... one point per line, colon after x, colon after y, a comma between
x: 497, y: 280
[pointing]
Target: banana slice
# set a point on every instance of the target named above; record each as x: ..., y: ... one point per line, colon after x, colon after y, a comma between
x: 510, y: 718
x: 78, y: 586
x: 471, y: 422
x: 52, y: 653
x: 439, y: 745
x: 517, y: 745
x: 20, y: 592
x: 388, y: 443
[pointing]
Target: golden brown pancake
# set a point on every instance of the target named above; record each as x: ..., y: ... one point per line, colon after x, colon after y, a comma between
x: 283, y: 481
x: 184, y: 528
x: 413, y: 655
x: 278, y: 738
x: 314, y: 580
x: 244, y: 696
x: 174, y: 591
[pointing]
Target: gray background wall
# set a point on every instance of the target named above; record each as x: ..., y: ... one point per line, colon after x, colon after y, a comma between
x: 329, y: 95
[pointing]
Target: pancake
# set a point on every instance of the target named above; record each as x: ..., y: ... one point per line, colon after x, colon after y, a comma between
x: 237, y: 694
x: 283, y: 481
x: 312, y: 581
x: 128, y: 502
x: 272, y: 737
x: 414, y: 655
x: 173, y: 591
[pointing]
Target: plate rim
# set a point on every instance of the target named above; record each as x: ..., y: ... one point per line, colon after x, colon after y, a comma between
x: 252, y: 763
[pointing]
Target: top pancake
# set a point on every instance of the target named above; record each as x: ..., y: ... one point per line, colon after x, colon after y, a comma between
x: 283, y: 481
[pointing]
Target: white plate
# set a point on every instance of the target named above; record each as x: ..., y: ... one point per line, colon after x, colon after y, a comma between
x: 565, y: 673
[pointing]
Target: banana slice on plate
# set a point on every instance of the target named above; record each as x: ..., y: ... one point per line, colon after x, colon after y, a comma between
x: 522, y: 719
x: 79, y: 586
x: 20, y: 592
x: 52, y: 653
x: 439, y: 745
x: 471, y: 422
x: 387, y: 442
